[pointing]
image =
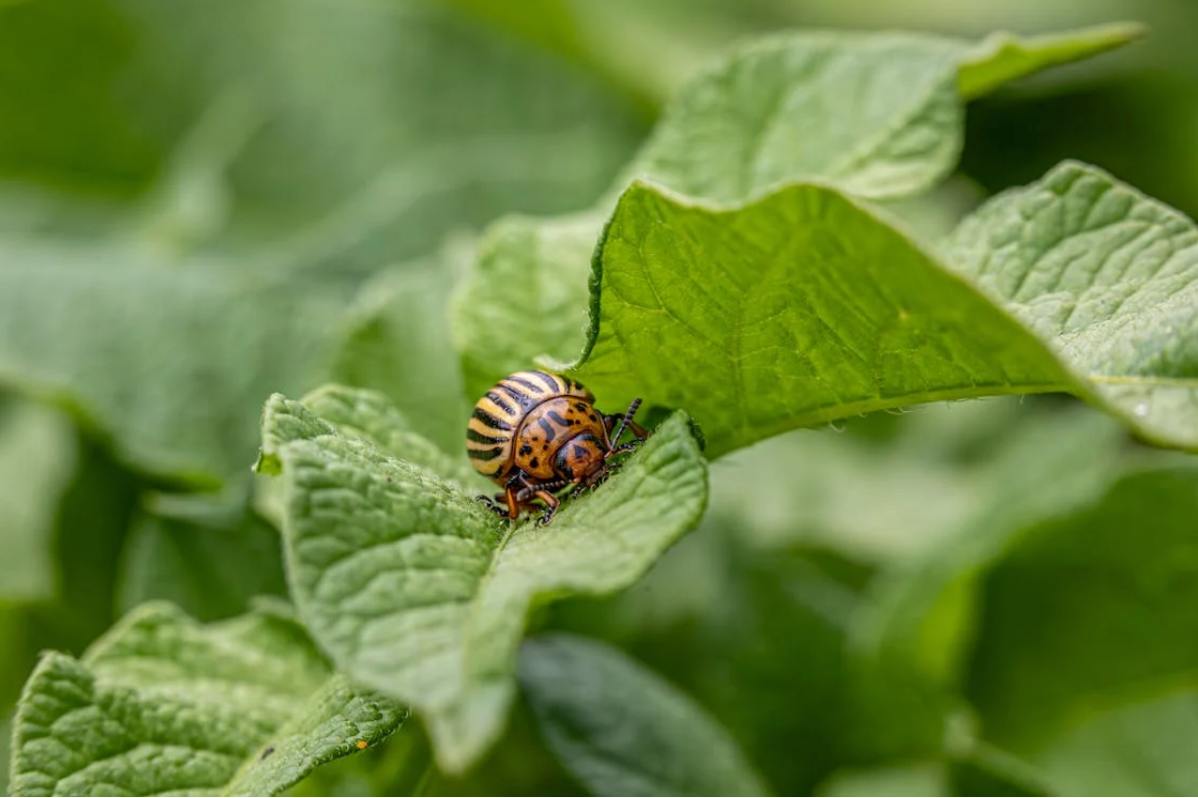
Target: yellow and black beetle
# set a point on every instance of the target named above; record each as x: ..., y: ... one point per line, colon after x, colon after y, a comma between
x: 535, y: 433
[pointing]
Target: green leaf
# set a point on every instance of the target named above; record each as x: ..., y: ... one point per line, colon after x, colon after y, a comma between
x: 917, y: 778
x: 351, y: 138
x: 210, y: 564
x: 175, y: 383
x: 876, y: 115
x: 1109, y: 277
x: 746, y: 632
x: 805, y: 487
x: 1002, y: 57
x: 417, y: 590
x: 162, y: 704
x: 398, y: 342
x: 922, y: 612
x: 37, y: 460
x: 525, y: 296
x: 622, y: 730
x: 1084, y: 653
x: 802, y: 307
x: 805, y: 307
x: 370, y: 416
x: 889, y: 121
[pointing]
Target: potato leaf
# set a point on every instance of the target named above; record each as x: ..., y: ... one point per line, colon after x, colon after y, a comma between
x: 1109, y: 278
x: 170, y: 385
x: 1002, y: 57
x: 162, y: 704
x: 417, y: 590
x: 621, y: 730
x: 877, y: 115
x: 805, y: 307
x: 795, y: 310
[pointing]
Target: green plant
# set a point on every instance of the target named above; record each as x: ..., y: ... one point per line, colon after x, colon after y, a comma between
x: 764, y: 262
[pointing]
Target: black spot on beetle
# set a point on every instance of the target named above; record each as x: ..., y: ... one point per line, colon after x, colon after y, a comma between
x: 593, y: 417
x: 580, y: 406
x: 534, y: 462
x: 526, y: 449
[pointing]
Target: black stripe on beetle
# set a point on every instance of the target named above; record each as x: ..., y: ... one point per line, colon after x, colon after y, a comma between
x: 478, y: 437
x: 529, y: 385
x: 519, y: 397
x: 548, y: 380
x: 484, y: 454
x: 500, y: 403
x: 489, y: 420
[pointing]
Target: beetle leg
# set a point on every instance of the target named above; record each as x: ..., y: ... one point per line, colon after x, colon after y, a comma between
x: 551, y: 505
x: 496, y: 505
x: 513, y: 504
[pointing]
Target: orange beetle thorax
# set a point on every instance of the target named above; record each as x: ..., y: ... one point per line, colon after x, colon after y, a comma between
x: 561, y: 437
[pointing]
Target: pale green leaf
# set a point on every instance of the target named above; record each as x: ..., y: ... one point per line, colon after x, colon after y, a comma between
x: 1127, y: 745
x: 162, y: 704
x: 174, y: 384
x: 417, y: 590
x: 372, y: 417
x: 37, y: 459
x: 875, y: 114
x: 622, y: 730
x: 1002, y: 57
x: 525, y: 297
x: 921, y: 612
x: 1106, y: 275
x: 397, y: 341
x: 352, y: 145
x: 805, y: 487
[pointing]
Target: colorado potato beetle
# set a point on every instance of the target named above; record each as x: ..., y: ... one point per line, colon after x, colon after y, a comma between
x: 536, y: 433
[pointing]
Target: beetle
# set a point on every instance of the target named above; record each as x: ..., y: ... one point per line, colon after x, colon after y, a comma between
x: 535, y: 433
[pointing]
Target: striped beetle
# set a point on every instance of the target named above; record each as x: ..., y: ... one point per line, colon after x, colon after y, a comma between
x: 536, y: 433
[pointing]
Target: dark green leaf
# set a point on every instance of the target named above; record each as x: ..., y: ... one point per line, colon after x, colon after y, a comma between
x: 622, y: 730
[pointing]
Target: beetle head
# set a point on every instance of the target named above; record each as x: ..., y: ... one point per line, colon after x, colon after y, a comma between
x: 580, y: 459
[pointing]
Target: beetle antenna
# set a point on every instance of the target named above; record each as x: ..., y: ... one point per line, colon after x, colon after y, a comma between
x: 625, y: 420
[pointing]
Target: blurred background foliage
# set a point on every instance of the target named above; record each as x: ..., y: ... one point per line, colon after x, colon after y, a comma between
x: 204, y: 202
